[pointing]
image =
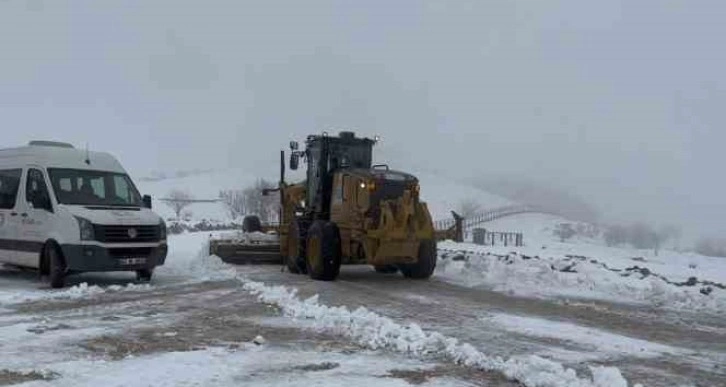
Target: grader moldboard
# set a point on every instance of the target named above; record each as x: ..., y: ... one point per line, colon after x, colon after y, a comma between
x: 347, y: 211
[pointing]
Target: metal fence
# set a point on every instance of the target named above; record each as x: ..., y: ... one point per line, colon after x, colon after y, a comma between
x: 484, y: 237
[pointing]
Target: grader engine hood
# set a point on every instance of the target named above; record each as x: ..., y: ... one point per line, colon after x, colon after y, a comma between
x: 401, y: 221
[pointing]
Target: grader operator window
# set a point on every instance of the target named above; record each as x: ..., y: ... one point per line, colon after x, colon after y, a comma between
x: 327, y: 154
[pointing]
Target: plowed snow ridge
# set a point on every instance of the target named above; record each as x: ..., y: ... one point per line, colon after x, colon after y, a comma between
x: 376, y: 332
x: 554, y: 274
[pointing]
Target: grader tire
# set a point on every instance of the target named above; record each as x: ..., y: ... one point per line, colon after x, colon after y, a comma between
x: 323, y: 251
x: 426, y: 263
x: 386, y: 269
x: 251, y: 223
x: 296, y: 243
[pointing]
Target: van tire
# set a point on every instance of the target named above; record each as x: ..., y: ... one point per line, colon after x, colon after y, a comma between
x: 144, y: 275
x: 56, y: 266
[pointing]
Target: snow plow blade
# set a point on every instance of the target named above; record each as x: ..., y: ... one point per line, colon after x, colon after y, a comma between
x: 244, y: 254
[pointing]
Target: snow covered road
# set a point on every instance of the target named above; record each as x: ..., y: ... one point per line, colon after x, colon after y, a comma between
x: 196, y: 325
x: 208, y: 333
x: 649, y: 346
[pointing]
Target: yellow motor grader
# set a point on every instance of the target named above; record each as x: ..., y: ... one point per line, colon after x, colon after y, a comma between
x: 348, y: 210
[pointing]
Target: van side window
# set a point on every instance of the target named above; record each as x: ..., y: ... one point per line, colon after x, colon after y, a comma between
x: 9, y: 184
x: 36, y: 191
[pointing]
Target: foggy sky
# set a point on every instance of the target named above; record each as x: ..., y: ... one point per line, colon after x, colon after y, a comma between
x: 619, y: 101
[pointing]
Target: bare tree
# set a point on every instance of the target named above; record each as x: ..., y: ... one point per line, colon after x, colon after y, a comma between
x: 664, y: 234
x: 564, y: 231
x: 265, y: 207
x: 468, y: 208
x: 711, y: 247
x: 236, y: 202
x: 178, y: 200
x: 252, y: 201
x: 674, y: 234
x: 616, y: 235
x: 642, y: 236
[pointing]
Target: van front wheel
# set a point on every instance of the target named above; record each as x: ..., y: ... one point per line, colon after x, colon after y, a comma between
x: 56, y: 267
x: 144, y: 275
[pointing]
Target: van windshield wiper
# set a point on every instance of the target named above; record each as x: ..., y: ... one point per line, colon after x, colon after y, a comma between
x: 113, y: 206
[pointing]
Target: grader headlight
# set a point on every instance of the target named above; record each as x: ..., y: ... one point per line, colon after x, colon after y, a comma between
x: 370, y: 186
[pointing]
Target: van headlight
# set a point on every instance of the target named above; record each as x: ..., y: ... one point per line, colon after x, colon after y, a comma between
x: 86, y: 228
x: 162, y: 229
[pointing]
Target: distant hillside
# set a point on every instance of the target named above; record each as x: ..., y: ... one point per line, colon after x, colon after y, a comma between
x: 441, y: 193
x: 547, y: 196
x: 160, y: 176
x: 201, y: 185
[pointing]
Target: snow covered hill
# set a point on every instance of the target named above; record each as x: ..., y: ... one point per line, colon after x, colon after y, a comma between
x: 441, y: 193
x: 584, y: 268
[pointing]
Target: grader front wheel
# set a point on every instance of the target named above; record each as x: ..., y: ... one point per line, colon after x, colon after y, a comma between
x: 424, y: 267
x: 323, y: 251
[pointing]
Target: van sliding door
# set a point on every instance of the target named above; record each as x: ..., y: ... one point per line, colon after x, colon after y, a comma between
x: 36, y: 218
x: 9, y: 215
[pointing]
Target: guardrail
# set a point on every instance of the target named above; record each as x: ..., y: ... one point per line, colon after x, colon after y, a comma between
x: 456, y: 227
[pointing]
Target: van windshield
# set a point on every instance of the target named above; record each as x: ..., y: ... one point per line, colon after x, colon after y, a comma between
x: 93, y: 188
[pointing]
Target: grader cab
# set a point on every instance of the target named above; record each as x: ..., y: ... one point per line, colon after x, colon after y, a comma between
x: 348, y: 210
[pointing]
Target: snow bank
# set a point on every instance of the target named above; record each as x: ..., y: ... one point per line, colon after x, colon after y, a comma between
x: 376, y: 332
x: 82, y: 290
x: 552, y: 272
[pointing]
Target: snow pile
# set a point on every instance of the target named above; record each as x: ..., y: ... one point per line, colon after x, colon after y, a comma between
x: 82, y: 290
x: 191, y: 262
x: 376, y: 332
x: 553, y: 273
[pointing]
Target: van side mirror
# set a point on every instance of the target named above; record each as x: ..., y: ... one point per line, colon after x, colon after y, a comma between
x: 294, y: 160
x: 147, y: 201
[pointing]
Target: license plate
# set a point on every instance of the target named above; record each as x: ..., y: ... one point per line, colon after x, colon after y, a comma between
x: 132, y: 261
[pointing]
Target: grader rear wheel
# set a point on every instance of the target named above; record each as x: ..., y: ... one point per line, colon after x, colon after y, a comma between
x: 296, y: 243
x: 385, y: 269
x: 251, y: 223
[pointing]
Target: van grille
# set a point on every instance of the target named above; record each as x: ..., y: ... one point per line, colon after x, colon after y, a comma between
x: 134, y: 252
x: 127, y: 234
